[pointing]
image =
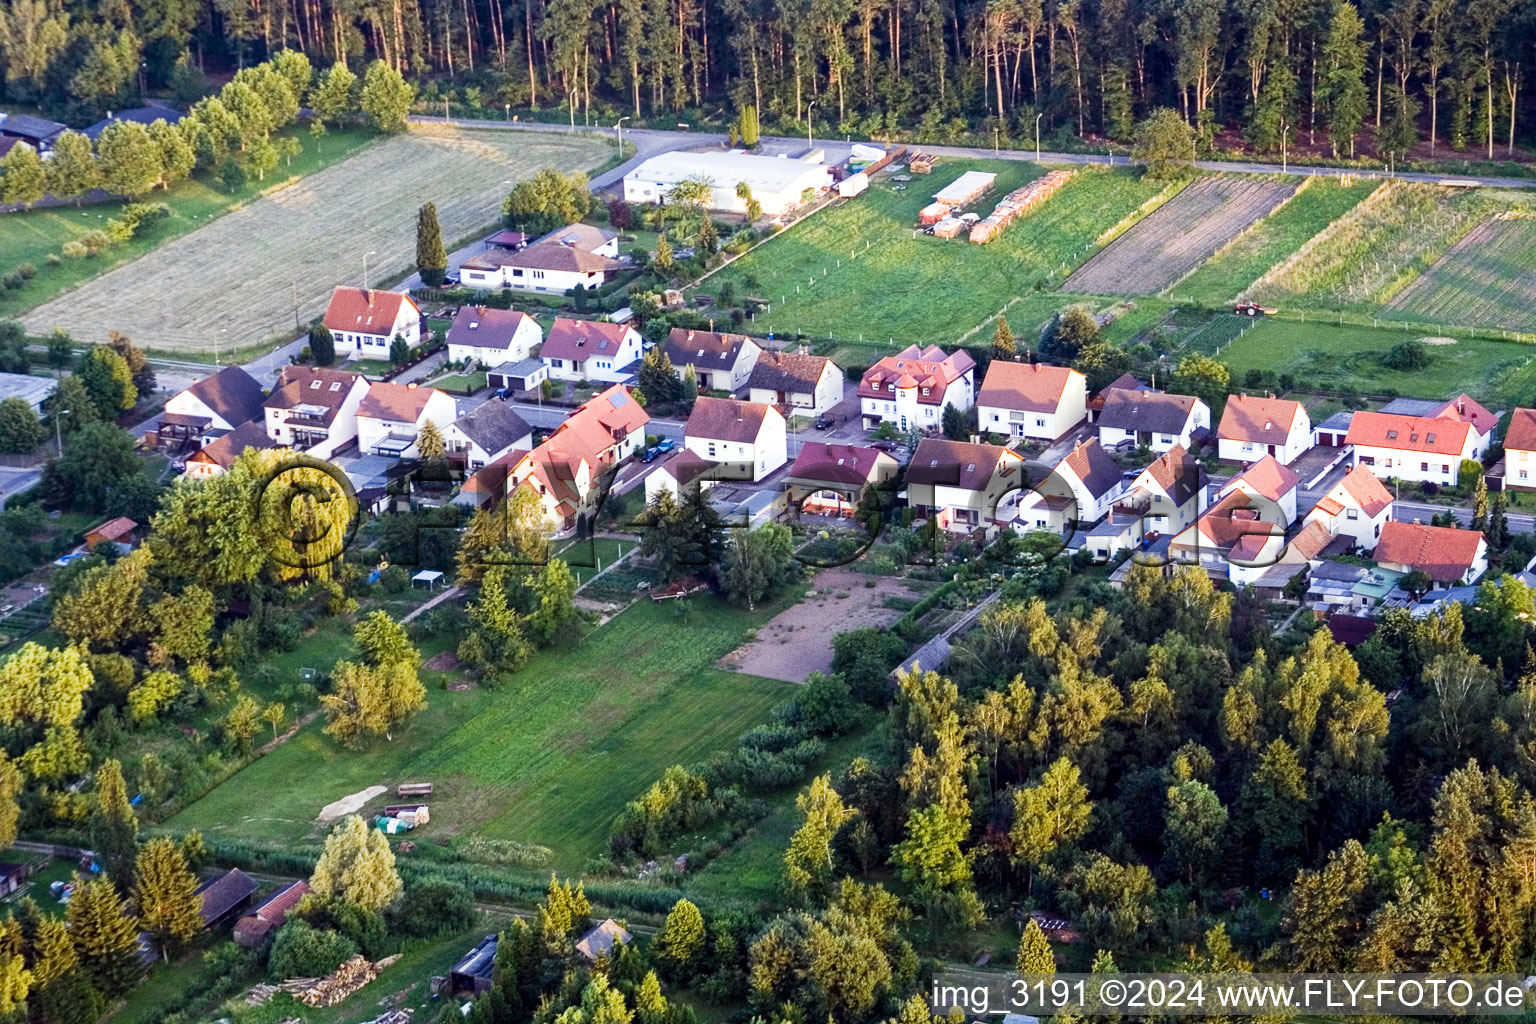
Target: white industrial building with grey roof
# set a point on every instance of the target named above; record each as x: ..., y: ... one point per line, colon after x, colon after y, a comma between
x: 779, y: 184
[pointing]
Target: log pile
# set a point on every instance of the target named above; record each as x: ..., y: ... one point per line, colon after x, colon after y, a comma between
x: 339, y: 984
x: 1017, y: 203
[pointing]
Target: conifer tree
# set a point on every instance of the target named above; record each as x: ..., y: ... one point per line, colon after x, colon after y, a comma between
x: 105, y: 935
x: 1003, y: 345
x: 431, y: 257
x: 1035, y: 956
x: 114, y: 829
x: 164, y: 891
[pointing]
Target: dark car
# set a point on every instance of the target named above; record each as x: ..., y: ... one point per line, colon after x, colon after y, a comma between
x: 823, y: 422
x: 650, y: 454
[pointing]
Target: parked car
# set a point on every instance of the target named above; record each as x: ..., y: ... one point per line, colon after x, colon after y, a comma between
x: 666, y: 444
x: 823, y: 422
x: 503, y: 392
x: 650, y: 454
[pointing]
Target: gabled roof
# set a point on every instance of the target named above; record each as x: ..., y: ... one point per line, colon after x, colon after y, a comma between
x: 1092, y: 465
x: 915, y: 367
x: 480, y: 961
x: 28, y: 127
x: 601, y: 940
x: 368, y: 311
x: 1310, y: 542
x: 218, y: 896
x: 578, y: 236
x: 1445, y: 553
x: 685, y: 466
x: 1026, y: 387
x: 493, y: 426
x: 483, y: 327
x: 706, y: 350
x: 1463, y: 407
x: 1155, y: 411
x: 276, y: 907
x: 1178, y: 473
x: 223, y: 451
x: 232, y: 393
x: 837, y: 463
x: 1367, y: 490
x: 579, y: 339
x: 318, y: 386
x: 727, y: 419
x: 1426, y: 435
x: 1522, y: 430
x: 1233, y: 524
x: 1268, y: 478
x: 1258, y: 420
x: 941, y: 462
x: 546, y: 256
x: 114, y: 529
x: 138, y: 115
x: 403, y: 403
x: 788, y: 371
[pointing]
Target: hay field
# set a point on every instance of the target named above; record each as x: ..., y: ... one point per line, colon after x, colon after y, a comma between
x: 1488, y: 279
x: 231, y: 284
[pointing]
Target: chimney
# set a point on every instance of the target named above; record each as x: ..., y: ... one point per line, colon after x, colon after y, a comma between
x: 1461, y: 404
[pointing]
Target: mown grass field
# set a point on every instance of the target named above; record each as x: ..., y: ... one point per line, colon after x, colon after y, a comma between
x: 30, y: 236
x: 1318, y: 204
x: 232, y: 284
x: 1487, y: 279
x: 894, y: 283
x: 549, y: 758
x: 1331, y: 356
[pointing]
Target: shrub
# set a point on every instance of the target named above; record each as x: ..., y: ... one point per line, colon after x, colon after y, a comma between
x: 53, y: 259
x: 304, y: 951
x: 74, y: 250
x: 27, y: 271
x: 433, y: 906
x: 1407, y: 355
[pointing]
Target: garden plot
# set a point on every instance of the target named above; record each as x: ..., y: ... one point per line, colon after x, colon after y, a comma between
x: 1180, y: 235
x: 1488, y: 279
x: 250, y: 274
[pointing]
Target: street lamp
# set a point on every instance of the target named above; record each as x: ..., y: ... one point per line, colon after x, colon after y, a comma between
x: 509, y: 113
x: 571, y: 101
x: 370, y: 252
x: 994, y: 140
x: 1285, y: 129
x: 58, y: 436
x: 620, y: 129
x: 810, y: 122
x: 1037, y: 135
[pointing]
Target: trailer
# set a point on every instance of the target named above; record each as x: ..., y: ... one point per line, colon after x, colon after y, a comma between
x: 414, y: 789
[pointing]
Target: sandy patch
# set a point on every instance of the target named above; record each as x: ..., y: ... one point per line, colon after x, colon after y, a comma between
x: 798, y: 641
x: 1437, y: 341
x: 349, y: 804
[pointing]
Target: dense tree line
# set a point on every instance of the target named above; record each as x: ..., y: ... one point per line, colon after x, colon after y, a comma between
x: 1317, y: 71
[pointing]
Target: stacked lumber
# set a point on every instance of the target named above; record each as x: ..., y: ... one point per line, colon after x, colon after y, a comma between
x: 1017, y: 203
x: 949, y: 227
x: 921, y: 163
x: 342, y: 982
x: 933, y: 213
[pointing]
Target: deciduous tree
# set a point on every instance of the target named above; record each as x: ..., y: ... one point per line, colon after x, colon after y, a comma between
x: 358, y: 866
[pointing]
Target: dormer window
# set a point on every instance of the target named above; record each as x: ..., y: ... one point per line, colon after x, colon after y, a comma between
x: 1430, y: 438
x: 925, y: 392
x: 890, y: 387
x: 335, y: 385
x: 1391, y: 435
x: 314, y: 385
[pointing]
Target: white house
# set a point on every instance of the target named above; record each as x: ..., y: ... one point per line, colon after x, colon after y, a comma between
x: 675, y: 475
x: 484, y: 435
x: 1253, y: 426
x: 720, y: 361
x: 492, y: 337
x: 364, y: 322
x: 961, y: 486
x: 213, y: 406
x: 1078, y: 492
x: 577, y: 254
x: 748, y: 440
x: 1520, y: 451
x: 911, y: 389
x: 1165, y: 498
x: 391, y: 416
x: 1357, y: 507
x: 797, y: 382
x: 1268, y: 483
x: 1238, y: 538
x: 1450, y: 556
x: 314, y: 409
x: 593, y: 350
x: 1153, y: 418
x: 215, y: 457
x: 1417, y: 448
x: 1031, y: 400
x: 778, y: 184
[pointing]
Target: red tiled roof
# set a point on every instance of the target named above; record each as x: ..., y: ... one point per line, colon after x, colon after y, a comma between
x: 788, y: 371
x: 1025, y: 387
x: 1430, y: 436
x: 276, y: 906
x: 1269, y: 478
x: 1178, y: 473
x: 400, y: 402
x: 1444, y: 552
x: 727, y: 419
x: 578, y: 339
x: 1227, y: 523
x: 1467, y: 409
x: 223, y: 451
x: 930, y: 368
x: 1310, y: 542
x: 320, y: 386
x: 837, y: 463
x: 1258, y: 420
x: 365, y: 312
x: 114, y: 529
x: 1522, y: 430
x: 1092, y: 465
x: 1368, y: 491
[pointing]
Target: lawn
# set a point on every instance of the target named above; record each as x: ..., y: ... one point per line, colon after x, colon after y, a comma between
x: 859, y: 271
x: 31, y: 236
x: 234, y: 283
x: 549, y: 758
x: 590, y: 556
x: 1318, y: 204
x: 1329, y: 356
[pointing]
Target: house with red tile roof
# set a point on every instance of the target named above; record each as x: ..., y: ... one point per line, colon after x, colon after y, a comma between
x: 1267, y: 482
x: 830, y: 479
x: 911, y: 388
x: 677, y: 473
x: 1078, y: 492
x: 747, y: 440
x: 1239, y: 538
x: 364, y: 322
x: 1165, y: 498
x: 1450, y: 556
x: 594, y: 350
x: 1520, y: 451
x: 961, y: 486
x: 1156, y: 419
x: 1031, y: 400
x: 215, y: 457
x: 391, y: 416
x: 1418, y: 448
x: 1253, y: 427
x: 1356, y: 507
x: 314, y: 409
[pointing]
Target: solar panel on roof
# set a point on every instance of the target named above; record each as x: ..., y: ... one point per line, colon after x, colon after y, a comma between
x: 617, y: 399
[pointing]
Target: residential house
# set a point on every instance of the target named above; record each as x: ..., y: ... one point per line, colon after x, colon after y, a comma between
x: 214, y: 405
x: 221, y: 896
x: 1153, y: 418
x: 116, y: 532
x: 364, y: 322
x: 37, y: 132
x: 911, y: 389
x: 960, y: 485
x: 252, y: 929
x: 678, y: 472
x: 1450, y: 556
x: 748, y: 440
x: 1123, y: 382
x: 1520, y: 451
x: 1163, y: 500
x: 1239, y: 538
x: 215, y: 457
x: 830, y: 479
x: 491, y: 337
x: 1253, y: 426
x: 1417, y: 448
x: 720, y: 361
x: 314, y: 409
x: 135, y: 115
x: 594, y: 350
x: 1031, y: 400
x: 1268, y: 482
x: 484, y: 435
x: 577, y: 254
x: 1357, y: 508
x: 1078, y: 492
x: 1462, y: 408
x: 797, y: 382
x: 391, y: 416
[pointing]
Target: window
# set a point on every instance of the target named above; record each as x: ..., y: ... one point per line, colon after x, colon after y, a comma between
x: 1353, y: 513
x: 925, y: 392
x: 1445, y: 468
x: 1424, y: 467
x: 1039, y: 421
x: 314, y: 385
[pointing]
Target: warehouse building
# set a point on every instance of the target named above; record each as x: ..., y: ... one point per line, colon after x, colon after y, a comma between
x: 778, y: 183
